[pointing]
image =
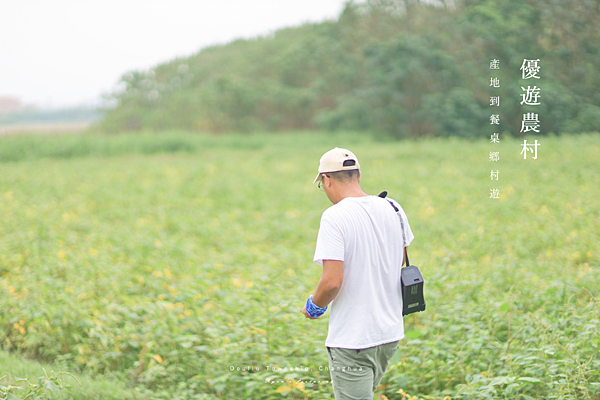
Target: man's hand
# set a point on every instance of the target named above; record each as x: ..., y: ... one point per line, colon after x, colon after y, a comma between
x: 306, y: 314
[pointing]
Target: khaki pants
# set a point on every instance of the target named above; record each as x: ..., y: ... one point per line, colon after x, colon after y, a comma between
x: 355, y: 374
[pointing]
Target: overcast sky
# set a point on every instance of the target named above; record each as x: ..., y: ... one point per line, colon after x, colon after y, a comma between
x: 60, y: 53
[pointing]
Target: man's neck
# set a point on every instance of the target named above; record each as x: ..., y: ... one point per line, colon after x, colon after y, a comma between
x: 351, y: 191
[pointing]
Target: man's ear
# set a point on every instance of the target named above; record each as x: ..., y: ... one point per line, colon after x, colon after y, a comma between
x: 359, y: 176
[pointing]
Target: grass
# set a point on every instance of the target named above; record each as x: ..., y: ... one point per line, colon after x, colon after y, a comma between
x: 21, y: 147
x: 83, y: 386
x: 171, y: 261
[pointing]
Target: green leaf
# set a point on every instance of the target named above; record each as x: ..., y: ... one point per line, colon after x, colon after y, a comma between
x: 504, y: 307
x: 396, y: 358
x: 509, y: 388
x: 17, y: 379
x: 532, y: 380
x: 12, y: 396
x: 501, y: 380
x: 413, y: 334
x: 51, y: 386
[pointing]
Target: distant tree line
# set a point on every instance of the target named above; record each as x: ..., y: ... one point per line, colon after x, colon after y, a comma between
x: 35, y: 116
x: 403, y: 67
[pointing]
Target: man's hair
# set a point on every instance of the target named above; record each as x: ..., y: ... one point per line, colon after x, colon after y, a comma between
x: 344, y: 176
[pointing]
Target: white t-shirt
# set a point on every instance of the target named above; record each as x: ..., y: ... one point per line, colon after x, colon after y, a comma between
x: 364, y: 233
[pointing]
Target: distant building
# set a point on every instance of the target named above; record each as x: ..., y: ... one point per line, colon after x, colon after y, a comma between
x: 9, y: 105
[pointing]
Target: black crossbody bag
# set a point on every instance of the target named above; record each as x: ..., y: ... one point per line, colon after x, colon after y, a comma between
x: 411, y: 280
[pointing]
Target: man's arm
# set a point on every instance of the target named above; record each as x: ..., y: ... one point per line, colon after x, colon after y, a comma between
x: 329, y: 285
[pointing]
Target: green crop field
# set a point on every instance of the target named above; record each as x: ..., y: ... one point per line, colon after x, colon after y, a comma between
x: 177, y: 264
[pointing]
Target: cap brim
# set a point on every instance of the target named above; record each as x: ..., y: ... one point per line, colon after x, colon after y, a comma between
x: 317, y: 178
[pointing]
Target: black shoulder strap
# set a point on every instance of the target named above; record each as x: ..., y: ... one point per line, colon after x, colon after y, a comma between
x: 383, y: 195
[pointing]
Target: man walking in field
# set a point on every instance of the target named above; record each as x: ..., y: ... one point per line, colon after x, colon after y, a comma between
x: 360, y: 246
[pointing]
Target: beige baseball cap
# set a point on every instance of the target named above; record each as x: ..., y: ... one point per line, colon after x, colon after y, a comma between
x: 334, y: 160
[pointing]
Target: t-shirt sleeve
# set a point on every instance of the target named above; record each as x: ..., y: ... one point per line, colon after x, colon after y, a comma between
x: 330, y: 241
x: 407, y: 230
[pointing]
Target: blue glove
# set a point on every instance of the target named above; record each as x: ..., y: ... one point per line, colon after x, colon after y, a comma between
x: 314, y: 310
